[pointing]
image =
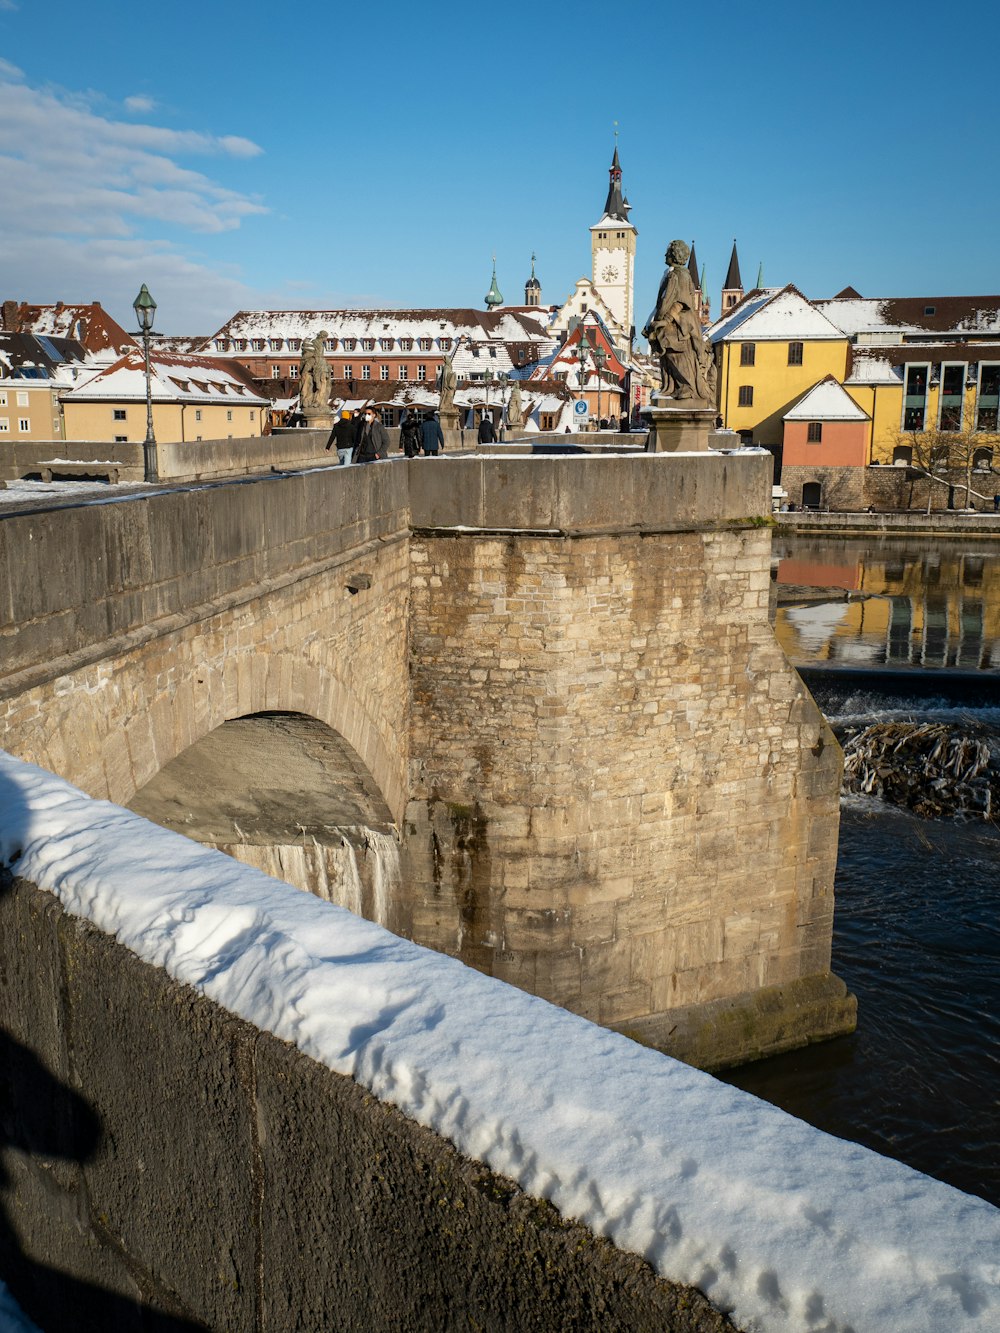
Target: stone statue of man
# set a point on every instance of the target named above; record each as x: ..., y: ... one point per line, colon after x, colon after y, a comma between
x: 447, y: 382
x: 314, y: 373
x: 515, y: 408
x: 687, y: 367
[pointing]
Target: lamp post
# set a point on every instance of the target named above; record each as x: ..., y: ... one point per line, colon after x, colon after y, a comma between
x: 600, y: 356
x: 581, y: 352
x: 145, y: 308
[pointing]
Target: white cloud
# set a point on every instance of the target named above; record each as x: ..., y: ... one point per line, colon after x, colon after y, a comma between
x: 87, y: 198
x: 8, y: 5
x: 139, y: 103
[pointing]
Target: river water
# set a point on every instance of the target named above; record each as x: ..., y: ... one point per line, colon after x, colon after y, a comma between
x: 911, y: 632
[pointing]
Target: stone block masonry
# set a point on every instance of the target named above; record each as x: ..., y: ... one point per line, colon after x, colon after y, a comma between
x: 621, y: 795
x: 612, y: 788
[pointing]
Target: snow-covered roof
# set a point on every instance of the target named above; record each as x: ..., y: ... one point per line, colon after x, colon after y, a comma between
x: 775, y: 317
x: 189, y: 379
x: 826, y: 401
x: 520, y: 324
x: 90, y: 325
x: 914, y: 315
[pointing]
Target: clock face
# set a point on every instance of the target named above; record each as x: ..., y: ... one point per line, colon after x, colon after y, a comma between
x: 610, y: 273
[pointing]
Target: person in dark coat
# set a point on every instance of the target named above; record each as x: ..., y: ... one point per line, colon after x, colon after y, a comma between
x: 486, y: 435
x: 431, y: 435
x: 373, y: 443
x: 342, y: 437
x: 410, y: 435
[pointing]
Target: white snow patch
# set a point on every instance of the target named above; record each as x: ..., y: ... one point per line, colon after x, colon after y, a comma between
x: 777, y: 1221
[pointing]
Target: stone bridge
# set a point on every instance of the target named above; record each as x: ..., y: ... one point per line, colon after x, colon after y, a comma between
x: 552, y: 678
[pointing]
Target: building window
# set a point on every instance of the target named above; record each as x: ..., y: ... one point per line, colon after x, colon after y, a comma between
x: 276, y: 372
x: 425, y: 344
x: 253, y: 414
x: 348, y: 372
x: 221, y: 344
x: 421, y: 373
x: 121, y: 439
x: 229, y: 414
x: 22, y: 398
x: 903, y: 453
x: 795, y: 354
x: 258, y: 344
x: 330, y: 344
x: 350, y: 344
x: 4, y: 425
x: 241, y: 344
x: 746, y: 395
x: 989, y: 398
x: 293, y: 371
x: 445, y: 344
x: 386, y: 344
x: 952, y: 397
x: 366, y: 372
x: 406, y: 344
x: 386, y: 414
x: 197, y: 414
x: 404, y: 372
x: 383, y: 371
x: 276, y: 344
x: 119, y: 414
x: 748, y: 353
x: 3, y: 398
x: 295, y: 344
x: 814, y: 434
x: 812, y: 494
x: 915, y: 397
x: 23, y: 424
x: 982, y: 460
x: 368, y: 344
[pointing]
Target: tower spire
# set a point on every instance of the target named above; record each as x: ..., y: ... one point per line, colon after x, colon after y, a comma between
x: 493, y: 297
x: 615, y: 206
x: 732, y: 288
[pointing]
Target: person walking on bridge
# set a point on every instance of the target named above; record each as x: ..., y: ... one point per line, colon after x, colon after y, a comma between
x: 431, y: 435
x: 373, y: 442
x: 342, y: 437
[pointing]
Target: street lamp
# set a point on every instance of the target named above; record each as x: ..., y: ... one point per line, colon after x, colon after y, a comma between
x: 145, y: 308
x: 600, y: 356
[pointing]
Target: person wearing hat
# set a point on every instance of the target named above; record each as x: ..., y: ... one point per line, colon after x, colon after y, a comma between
x: 342, y: 436
x: 431, y: 435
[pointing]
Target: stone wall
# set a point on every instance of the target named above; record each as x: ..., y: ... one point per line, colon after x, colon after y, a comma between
x: 854, y: 489
x: 163, y: 618
x: 622, y: 798
x: 167, y: 1166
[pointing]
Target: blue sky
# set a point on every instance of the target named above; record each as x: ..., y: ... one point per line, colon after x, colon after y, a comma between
x: 313, y: 156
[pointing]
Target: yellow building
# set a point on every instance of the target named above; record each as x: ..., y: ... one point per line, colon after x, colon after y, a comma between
x: 32, y: 372
x: 193, y: 398
x: 770, y: 349
x: 917, y: 366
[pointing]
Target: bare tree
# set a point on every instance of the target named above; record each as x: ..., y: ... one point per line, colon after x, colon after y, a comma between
x: 951, y: 457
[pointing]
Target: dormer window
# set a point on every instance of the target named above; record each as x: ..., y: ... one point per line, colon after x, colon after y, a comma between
x: 330, y: 345
x: 221, y: 345
x: 258, y: 344
x: 350, y: 344
x: 445, y: 344
x: 406, y: 344
x: 295, y: 344
x: 425, y: 344
x: 368, y: 344
x: 276, y: 344
x: 930, y: 310
x: 386, y: 344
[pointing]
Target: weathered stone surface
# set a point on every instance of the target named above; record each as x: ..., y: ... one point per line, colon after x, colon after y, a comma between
x: 214, y: 1177
x: 558, y: 671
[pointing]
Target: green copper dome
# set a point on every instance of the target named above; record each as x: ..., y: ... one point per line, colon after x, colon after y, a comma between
x: 493, y: 296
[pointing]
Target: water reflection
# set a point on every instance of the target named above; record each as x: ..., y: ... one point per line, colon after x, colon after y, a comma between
x: 892, y: 602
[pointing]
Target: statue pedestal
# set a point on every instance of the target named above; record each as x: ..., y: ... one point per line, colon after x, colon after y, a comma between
x: 318, y: 418
x: 678, y: 427
x: 450, y: 428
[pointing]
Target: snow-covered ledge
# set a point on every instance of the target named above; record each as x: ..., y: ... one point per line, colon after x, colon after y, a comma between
x: 778, y: 1223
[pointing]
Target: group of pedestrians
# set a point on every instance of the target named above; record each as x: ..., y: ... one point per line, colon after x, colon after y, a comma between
x: 364, y: 439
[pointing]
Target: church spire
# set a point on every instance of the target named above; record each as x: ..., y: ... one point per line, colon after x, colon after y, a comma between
x: 615, y: 205
x: 493, y: 297
x: 732, y: 288
x: 532, y: 288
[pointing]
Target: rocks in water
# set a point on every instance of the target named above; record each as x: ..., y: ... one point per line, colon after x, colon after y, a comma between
x: 934, y: 769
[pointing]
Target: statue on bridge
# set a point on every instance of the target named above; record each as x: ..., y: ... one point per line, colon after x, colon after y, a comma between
x: 447, y: 383
x: 515, y: 409
x: 687, y: 366
x: 314, y: 374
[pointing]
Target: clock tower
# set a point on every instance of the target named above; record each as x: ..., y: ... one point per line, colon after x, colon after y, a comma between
x: 612, y: 245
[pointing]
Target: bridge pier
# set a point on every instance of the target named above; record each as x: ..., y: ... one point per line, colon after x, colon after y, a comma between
x: 622, y: 797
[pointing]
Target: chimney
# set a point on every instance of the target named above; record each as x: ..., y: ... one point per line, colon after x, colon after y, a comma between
x: 96, y: 303
x: 10, y: 316
x: 59, y: 306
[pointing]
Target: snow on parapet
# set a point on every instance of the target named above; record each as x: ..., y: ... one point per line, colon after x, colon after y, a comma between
x: 773, y: 1220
